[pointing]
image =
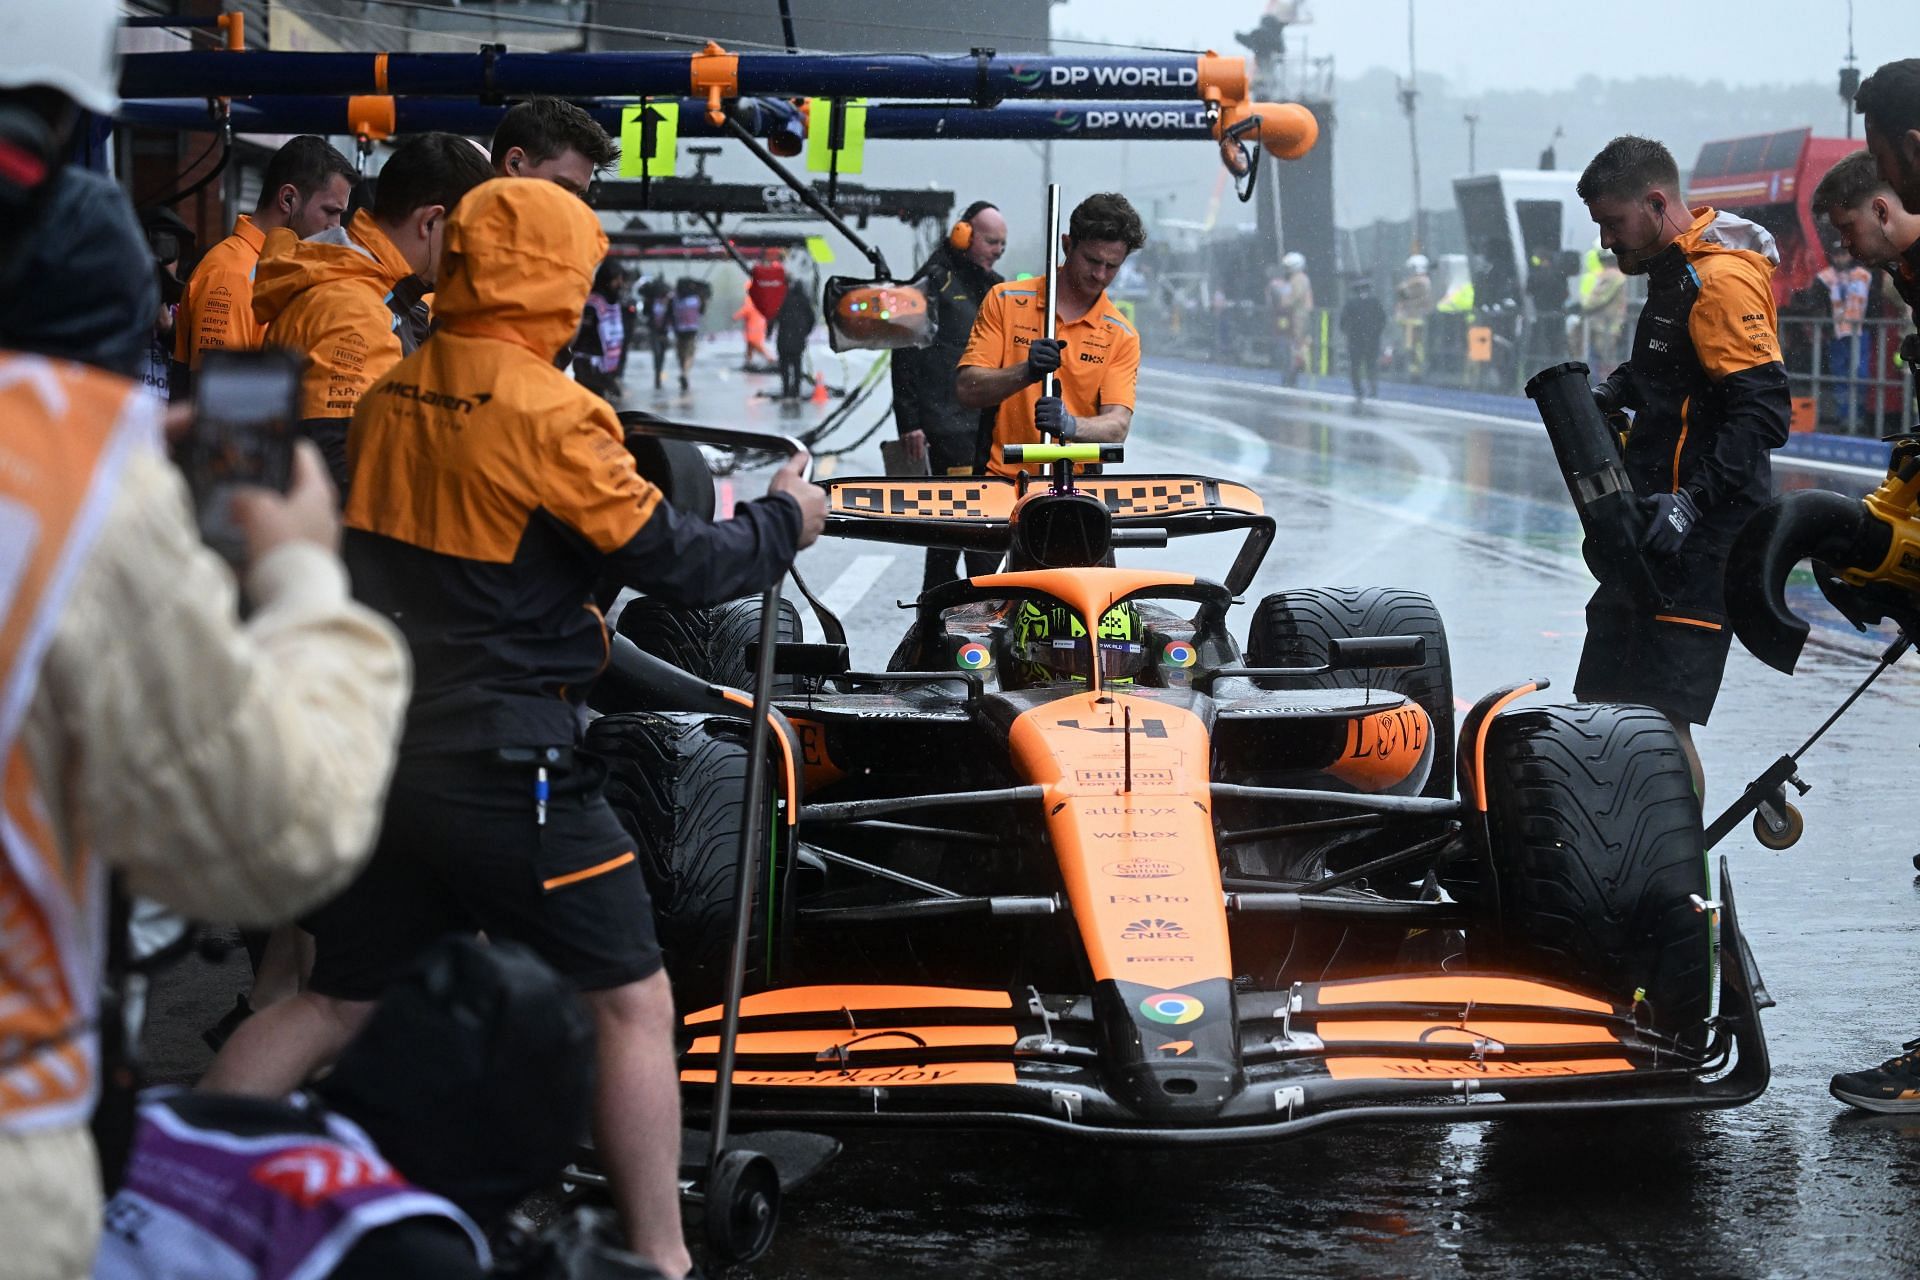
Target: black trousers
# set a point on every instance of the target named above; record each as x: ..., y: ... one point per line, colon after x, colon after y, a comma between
x: 1363, y: 366
x: 790, y: 375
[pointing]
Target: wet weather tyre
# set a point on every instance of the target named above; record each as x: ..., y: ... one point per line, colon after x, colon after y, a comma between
x: 1292, y: 628
x: 1595, y: 846
x: 708, y: 643
x: 676, y: 782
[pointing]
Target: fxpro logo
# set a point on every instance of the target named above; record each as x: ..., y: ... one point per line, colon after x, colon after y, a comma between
x: 1126, y: 76
x: 1170, y: 120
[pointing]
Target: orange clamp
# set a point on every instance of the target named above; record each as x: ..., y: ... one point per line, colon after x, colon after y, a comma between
x: 1223, y: 80
x: 370, y: 116
x: 235, y: 25
x: 716, y: 75
x: 380, y: 73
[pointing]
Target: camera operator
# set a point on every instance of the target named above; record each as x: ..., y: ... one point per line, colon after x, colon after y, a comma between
x: 227, y: 771
x: 1710, y: 398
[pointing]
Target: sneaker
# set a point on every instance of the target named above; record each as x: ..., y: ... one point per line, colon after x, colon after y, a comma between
x: 1891, y: 1087
x: 217, y: 1034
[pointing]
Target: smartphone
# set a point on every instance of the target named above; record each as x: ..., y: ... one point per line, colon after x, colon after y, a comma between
x: 245, y: 407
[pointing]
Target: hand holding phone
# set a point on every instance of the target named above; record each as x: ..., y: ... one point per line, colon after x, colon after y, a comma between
x: 309, y: 511
x: 241, y: 438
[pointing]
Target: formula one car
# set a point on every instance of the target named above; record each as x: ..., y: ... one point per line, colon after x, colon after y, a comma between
x: 1079, y: 859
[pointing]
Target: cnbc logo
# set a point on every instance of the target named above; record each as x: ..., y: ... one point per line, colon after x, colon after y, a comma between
x: 1154, y: 930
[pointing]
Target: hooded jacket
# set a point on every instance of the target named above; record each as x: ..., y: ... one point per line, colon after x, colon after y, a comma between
x: 1705, y: 380
x: 81, y: 284
x: 217, y: 312
x: 340, y: 299
x: 490, y: 493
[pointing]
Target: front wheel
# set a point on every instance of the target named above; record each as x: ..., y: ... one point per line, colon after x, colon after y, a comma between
x: 1597, y: 855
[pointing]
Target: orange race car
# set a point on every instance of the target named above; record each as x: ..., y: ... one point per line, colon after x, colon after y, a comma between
x: 1080, y: 859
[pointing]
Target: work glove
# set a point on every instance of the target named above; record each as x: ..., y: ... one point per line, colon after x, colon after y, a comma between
x: 1043, y: 357
x: 1606, y: 399
x: 1671, y: 517
x: 1050, y: 417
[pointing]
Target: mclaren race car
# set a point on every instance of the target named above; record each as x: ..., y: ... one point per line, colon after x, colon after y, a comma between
x: 1077, y: 856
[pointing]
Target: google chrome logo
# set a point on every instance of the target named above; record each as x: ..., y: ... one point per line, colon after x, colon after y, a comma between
x: 1178, y: 653
x: 973, y: 656
x: 1172, y: 1008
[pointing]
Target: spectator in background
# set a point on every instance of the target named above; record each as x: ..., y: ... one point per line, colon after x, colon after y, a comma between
x: 685, y: 314
x: 1603, y: 309
x: 346, y: 298
x: 656, y: 315
x: 1363, y: 323
x: 1294, y: 297
x: 305, y: 189
x: 226, y: 770
x: 552, y: 139
x: 1412, y: 304
x: 795, y: 327
x: 599, y: 349
x: 1849, y: 285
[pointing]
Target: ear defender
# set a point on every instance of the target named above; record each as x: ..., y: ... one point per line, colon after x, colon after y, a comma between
x: 961, y: 237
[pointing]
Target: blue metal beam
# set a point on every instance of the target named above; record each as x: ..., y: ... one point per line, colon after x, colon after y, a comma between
x: 962, y: 77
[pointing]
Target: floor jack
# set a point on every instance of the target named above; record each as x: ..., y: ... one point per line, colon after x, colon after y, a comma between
x: 734, y: 1183
x: 1777, y: 823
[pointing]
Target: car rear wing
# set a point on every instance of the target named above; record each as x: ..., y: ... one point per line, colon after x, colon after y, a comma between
x: 976, y: 513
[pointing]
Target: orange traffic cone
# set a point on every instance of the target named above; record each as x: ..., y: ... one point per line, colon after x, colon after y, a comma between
x: 819, y: 390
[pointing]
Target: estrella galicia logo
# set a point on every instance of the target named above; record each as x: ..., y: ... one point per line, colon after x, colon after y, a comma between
x: 1154, y: 930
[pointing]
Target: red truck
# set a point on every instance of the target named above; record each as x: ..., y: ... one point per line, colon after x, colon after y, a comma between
x: 1769, y: 179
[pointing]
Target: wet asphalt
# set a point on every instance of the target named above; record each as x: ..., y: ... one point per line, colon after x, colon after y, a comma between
x: 1473, y: 513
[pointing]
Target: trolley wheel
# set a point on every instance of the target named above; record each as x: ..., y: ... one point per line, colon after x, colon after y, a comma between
x: 1792, y: 827
x: 743, y: 1206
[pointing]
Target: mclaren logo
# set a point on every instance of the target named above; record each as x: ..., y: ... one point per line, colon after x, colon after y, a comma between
x: 1154, y: 930
x: 435, y: 399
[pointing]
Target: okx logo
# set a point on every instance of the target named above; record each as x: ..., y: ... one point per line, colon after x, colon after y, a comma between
x: 1154, y: 930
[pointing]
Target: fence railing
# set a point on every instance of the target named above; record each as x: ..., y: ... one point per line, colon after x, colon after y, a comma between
x: 1853, y: 385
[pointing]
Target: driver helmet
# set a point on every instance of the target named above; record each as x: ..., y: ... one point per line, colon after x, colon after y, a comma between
x: 1050, y: 644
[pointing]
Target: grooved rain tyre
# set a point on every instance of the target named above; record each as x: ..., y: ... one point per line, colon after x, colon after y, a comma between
x: 676, y: 782
x: 1292, y: 628
x: 1596, y: 845
x: 708, y: 643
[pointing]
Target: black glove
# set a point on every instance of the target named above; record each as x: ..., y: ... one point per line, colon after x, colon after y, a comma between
x: 1607, y: 399
x: 1671, y: 518
x: 1043, y: 357
x: 1050, y: 417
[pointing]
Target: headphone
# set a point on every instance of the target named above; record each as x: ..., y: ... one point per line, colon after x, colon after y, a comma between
x: 961, y: 236
x: 1660, y: 212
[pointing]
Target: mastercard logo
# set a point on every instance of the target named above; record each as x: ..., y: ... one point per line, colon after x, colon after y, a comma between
x: 973, y: 656
x: 1172, y: 1008
x: 1179, y: 653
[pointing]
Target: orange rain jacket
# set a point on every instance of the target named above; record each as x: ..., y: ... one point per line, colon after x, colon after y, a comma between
x: 341, y: 300
x: 491, y: 494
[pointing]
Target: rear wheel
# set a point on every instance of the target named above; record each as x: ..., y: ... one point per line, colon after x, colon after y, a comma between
x: 677, y: 782
x: 1292, y: 628
x: 1595, y: 845
x: 709, y: 643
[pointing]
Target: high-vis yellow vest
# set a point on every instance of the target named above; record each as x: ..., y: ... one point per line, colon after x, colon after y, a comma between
x: 65, y: 434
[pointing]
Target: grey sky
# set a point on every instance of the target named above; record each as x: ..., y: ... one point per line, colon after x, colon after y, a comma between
x: 1493, y: 44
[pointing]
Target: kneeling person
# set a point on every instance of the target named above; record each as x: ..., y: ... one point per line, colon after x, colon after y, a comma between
x: 491, y: 495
